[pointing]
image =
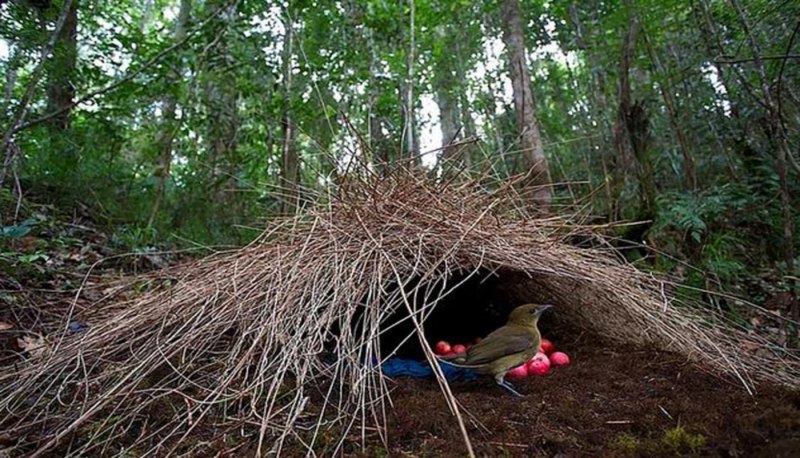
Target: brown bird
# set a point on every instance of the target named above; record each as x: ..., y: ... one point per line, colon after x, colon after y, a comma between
x: 506, y: 347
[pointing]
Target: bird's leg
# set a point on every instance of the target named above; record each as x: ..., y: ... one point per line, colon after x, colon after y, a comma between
x: 507, y: 385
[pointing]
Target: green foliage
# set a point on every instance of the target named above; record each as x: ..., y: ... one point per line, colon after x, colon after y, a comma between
x: 135, y: 238
x: 693, y: 213
x: 702, y: 226
x: 350, y: 61
x: 720, y: 252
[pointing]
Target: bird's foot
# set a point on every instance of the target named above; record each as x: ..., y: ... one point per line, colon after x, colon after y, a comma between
x: 510, y: 388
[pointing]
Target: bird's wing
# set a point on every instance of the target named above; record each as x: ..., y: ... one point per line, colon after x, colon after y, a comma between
x: 502, y: 342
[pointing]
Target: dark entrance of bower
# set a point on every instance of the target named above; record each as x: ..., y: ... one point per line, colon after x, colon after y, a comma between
x: 476, y: 307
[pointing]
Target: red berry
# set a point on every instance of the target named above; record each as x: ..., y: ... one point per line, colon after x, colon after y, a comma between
x: 538, y: 365
x: 546, y: 346
x: 518, y: 372
x: 559, y: 359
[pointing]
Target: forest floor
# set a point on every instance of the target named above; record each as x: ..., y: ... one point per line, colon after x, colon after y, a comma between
x: 609, y: 402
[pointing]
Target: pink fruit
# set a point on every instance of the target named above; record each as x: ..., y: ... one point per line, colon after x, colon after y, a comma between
x: 559, y: 359
x: 458, y: 348
x: 546, y: 347
x: 518, y: 372
x: 442, y: 348
x: 538, y: 365
x: 540, y: 356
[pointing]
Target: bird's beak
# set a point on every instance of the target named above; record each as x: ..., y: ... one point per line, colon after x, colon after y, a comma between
x: 544, y: 307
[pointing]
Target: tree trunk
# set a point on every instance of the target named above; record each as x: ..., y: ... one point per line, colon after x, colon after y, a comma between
x: 672, y: 110
x: 447, y: 119
x: 489, y: 113
x: 60, y: 74
x: 377, y: 141
x: 223, y: 120
x: 289, y: 161
x: 779, y: 139
x: 597, y: 110
x: 530, y: 137
x: 167, y: 132
x: 378, y: 144
x: 448, y: 108
x: 631, y: 128
x: 463, y: 114
x: 61, y: 71
x: 409, y: 129
x: 715, y: 49
x: 12, y: 72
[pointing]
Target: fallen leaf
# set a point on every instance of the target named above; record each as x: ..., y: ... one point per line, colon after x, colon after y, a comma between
x: 35, y: 345
x: 5, y: 326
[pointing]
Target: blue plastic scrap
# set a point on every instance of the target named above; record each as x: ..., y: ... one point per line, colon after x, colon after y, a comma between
x: 400, y: 367
x: 77, y: 326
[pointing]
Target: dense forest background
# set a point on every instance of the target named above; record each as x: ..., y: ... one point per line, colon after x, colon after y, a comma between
x: 173, y: 123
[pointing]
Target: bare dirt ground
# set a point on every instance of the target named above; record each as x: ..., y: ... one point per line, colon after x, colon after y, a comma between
x: 609, y: 402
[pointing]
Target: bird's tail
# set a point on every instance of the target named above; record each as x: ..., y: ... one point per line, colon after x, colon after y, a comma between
x: 456, y: 360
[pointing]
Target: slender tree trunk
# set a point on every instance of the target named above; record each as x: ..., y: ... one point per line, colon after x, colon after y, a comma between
x: 624, y: 153
x: 11, y: 79
x: 378, y: 145
x: 489, y: 113
x: 527, y: 125
x: 168, y: 126
x: 409, y: 129
x: 631, y: 128
x: 715, y: 49
x: 377, y: 141
x: 463, y: 114
x: 447, y: 119
x: 60, y: 74
x: 223, y: 119
x: 779, y: 139
x: 669, y: 102
x: 448, y: 109
x: 289, y: 161
x: 597, y: 111
x: 60, y: 89
x: 639, y: 132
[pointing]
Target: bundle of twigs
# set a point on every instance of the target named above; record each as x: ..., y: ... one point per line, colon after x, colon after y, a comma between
x: 282, y: 335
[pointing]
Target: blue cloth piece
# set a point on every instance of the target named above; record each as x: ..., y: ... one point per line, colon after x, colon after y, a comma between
x: 400, y: 367
x: 77, y: 326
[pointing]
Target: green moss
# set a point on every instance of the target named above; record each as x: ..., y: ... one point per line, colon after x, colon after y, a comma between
x: 626, y: 442
x: 679, y: 440
x: 674, y: 442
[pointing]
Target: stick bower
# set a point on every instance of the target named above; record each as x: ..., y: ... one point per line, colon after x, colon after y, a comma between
x: 278, y: 340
